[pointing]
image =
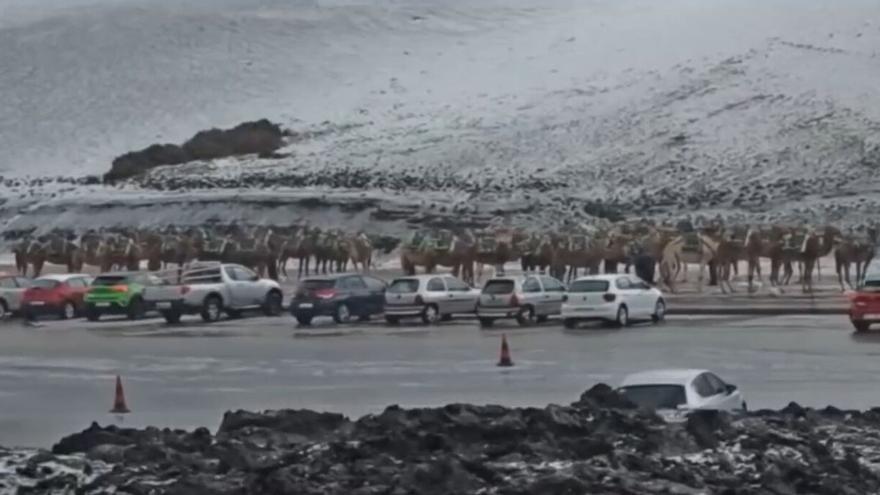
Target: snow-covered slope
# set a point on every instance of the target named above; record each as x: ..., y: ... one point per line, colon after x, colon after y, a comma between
x: 727, y: 105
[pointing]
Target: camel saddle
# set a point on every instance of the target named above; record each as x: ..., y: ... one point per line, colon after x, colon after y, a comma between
x: 794, y: 241
x: 487, y: 244
x: 692, y: 243
x: 213, y: 245
x: 578, y: 243
x: 440, y: 242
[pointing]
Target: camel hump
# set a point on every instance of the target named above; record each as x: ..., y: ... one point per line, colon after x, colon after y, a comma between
x: 692, y: 242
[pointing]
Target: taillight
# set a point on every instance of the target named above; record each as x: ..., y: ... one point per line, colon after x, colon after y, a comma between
x: 608, y: 297
x: 325, y: 294
x: 419, y: 300
x: 119, y: 288
x: 184, y: 289
x: 514, y: 301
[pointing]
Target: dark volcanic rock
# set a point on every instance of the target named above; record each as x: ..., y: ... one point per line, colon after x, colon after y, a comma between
x: 600, y: 444
x: 259, y: 137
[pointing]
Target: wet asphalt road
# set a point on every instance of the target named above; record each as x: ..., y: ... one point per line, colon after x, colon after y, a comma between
x: 58, y: 377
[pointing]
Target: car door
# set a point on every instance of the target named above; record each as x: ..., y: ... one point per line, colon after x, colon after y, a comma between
x: 625, y: 296
x: 255, y: 292
x: 464, y: 299
x: 728, y: 397
x: 435, y: 290
x: 705, y: 397
x: 359, y: 302
x: 238, y: 292
x: 556, y: 291
x: 646, y: 296
x: 534, y: 295
x: 23, y: 284
x: 376, y: 293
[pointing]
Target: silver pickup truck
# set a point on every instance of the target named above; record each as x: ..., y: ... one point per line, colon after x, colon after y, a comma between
x: 210, y: 290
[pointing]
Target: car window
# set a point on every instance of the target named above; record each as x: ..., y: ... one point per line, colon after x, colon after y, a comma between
x: 404, y: 286
x: 354, y: 283
x: 318, y: 284
x: 45, y: 283
x: 374, y: 284
x: 589, y: 286
x: 203, y: 276
x: 622, y: 283
x: 230, y: 272
x: 703, y: 387
x: 531, y: 285
x: 637, y: 283
x: 24, y: 282
x: 7, y: 283
x: 436, y: 285
x: 552, y: 285
x: 244, y: 275
x: 106, y: 280
x: 456, y: 285
x: 76, y: 282
x: 498, y: 287
x: 655, y: 396
x: 716, y: 383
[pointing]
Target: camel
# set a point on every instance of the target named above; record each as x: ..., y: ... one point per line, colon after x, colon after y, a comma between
x: 579, y: 251
x: 688, y: 248
x: 54, y: 249
x: 496, y: 248
x: 360, y: 250
x: 20, y: 250
x: 730, y: 251
x: 459, y: 255
x: 850, y: 250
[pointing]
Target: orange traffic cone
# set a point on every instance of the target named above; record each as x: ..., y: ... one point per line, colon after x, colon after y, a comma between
x: 505, y: 353
x: 119, y: 406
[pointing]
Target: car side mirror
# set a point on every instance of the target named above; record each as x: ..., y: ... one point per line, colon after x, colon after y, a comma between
x: 730, y: 389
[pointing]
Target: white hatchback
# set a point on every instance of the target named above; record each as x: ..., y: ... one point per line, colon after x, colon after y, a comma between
x: 681, y: 389
x: 618, y: 299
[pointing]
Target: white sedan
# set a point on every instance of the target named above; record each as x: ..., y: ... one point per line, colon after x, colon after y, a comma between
x: 618, y: 299
x: 681, y: 389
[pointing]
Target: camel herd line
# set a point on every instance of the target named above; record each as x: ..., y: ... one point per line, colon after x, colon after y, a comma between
x: 565, y: 253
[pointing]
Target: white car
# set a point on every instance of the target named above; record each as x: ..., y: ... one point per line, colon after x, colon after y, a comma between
x: 681, y: 389
x: 211, y: 289
x: 11, y: 290
x: 617, y: 299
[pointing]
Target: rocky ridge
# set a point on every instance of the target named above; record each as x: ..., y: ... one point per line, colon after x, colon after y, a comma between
x: 599, y: 444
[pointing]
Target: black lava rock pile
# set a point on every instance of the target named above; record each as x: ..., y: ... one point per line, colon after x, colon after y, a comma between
x: 598, y: 445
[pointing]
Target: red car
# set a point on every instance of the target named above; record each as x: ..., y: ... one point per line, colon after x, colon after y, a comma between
x: 60, y: 295
x: 864, y: 307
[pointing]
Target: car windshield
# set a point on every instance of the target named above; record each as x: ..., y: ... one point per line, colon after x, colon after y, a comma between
x: 589, y: 286
x: 655, y: 396
x: 498, y: 287
x: 871, y: 285
x: 110, y: 280
x: 404, y: 286
x: 45, y: 283
x: 318, y: 284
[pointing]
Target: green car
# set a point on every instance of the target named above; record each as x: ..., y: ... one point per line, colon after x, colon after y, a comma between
x: 119, y: 294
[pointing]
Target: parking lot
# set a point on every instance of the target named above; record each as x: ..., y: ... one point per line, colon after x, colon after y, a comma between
x: 58, y: 376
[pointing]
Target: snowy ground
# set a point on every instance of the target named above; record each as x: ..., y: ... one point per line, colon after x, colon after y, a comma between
x: 445, y: 108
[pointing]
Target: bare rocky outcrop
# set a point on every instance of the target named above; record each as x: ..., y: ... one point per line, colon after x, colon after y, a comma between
x: 599, y: 444
x: 258, y: 137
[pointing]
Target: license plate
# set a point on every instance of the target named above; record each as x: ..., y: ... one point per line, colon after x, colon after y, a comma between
x: 306, y: 305
x: 163, y: 305
x: 38, y: 303
x: 102, y: 304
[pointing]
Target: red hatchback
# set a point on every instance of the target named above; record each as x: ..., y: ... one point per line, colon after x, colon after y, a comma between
x: 60, y: 295
x: 864, y: 307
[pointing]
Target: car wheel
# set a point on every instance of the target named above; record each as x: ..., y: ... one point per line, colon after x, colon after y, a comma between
x: 430, y: 314
x: 570, y: 323
x: 659, y: 311
x: 861, y: 326
x: 272, y: 306
x: 212, y: 308
x: 171, y: 317
x: 487, y: 322
x: 622, y: 317
x: 342, y: 313
x: 392, y: 320
x: 304, y: 320
x: 526, y: 316
x: 4, y: 310
x: 68, y: 311
x: 136, y: 309
x: 92, y: 313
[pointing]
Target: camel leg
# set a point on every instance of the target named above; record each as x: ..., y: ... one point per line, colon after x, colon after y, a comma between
x: 846, y: 269
x: 702, y: 269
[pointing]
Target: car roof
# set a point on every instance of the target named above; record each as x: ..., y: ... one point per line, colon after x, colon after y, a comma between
x: 425, y: 276
x: 607, y: 277
x: 63, y: 277
x: 662, y: 377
